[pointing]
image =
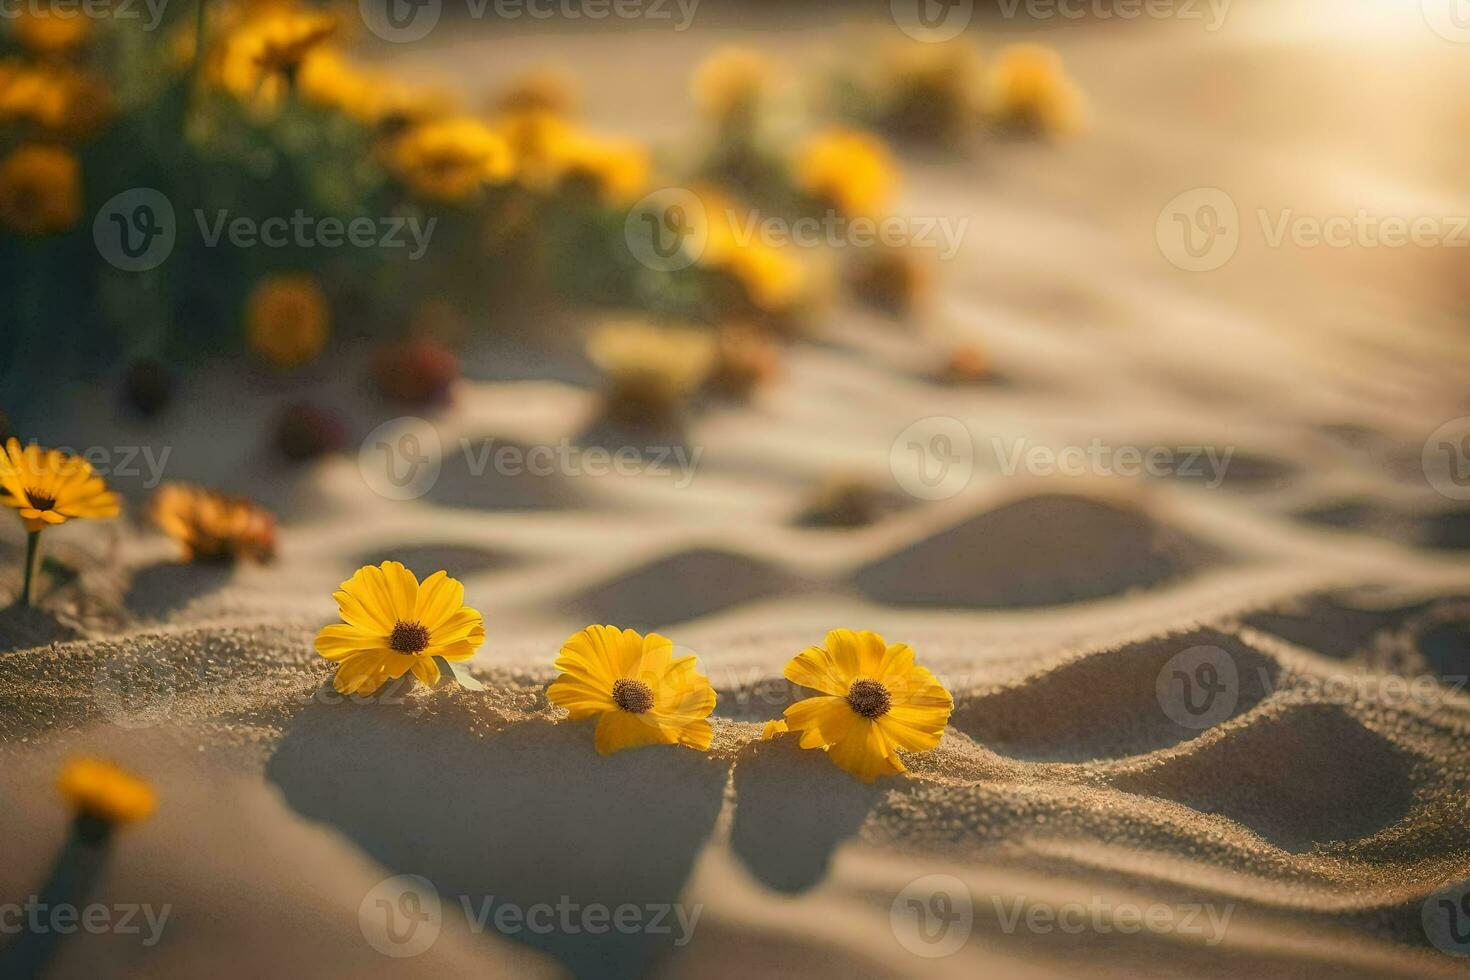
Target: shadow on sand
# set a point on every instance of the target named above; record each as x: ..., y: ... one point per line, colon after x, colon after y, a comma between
x: 528, y: 815
x: 792, y: 808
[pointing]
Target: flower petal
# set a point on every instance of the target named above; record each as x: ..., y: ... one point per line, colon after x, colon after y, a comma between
x: 618, y: 730
x: 439, y: 598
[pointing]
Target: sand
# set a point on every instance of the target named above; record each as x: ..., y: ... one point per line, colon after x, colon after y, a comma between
x: 1301, y: 828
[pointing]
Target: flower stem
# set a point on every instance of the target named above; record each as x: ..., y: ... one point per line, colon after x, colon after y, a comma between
x: 33, y: 565
x: 192, y: 83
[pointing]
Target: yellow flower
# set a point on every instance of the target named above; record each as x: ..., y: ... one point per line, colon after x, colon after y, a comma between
x: 640, y: 692
x: 730, y: 83
x: 451, y: 159
x: 1028, y: 89
x: 214, y: 527
x: 617, y: 170
x: 772, y: 279
x: 60, y: 100
x: 287, y: 320
x: 649, y: 368
x: 329, y: 80
x: 848, y: 170
x: 46, y: 32
x: 394, y: 625
x: 98, y: 789
x: 40, y: 191
x: 874, y: 701
x: 46, y: 486
x: 932, y: 91
x: 551, y: 152
x: 259, y: 60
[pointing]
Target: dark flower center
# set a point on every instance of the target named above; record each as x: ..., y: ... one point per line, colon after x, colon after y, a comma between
x: 409, y: 637
x: 40, y: 500
x: 632, y: 696
x: 869, y: 698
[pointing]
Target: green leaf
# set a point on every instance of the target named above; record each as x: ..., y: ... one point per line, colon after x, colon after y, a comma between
x: 460, y: 673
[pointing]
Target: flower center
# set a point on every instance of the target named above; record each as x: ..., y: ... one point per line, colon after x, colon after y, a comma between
x: 40, y: 500
x: 632, y: 696
x: 409, y: 637
x: 869, y: 698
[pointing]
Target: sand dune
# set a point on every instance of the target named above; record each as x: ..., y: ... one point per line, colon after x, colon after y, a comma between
x: 1094, y: 761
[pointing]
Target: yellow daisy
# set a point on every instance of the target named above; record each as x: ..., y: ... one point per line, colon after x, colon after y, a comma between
x: 394, y: 625
x: 874, y: 701
x: 1029, y: 90
x: 849, y: 170
x: 729, y: 84
x: 451, y: 160
x: 46, y: 487
x: 642, y: 694
x: 99, y: 790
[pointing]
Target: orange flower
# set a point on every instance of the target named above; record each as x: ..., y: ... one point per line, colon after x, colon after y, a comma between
x: 287, y: 320
x: 40, y: 191
x: 213, y: 527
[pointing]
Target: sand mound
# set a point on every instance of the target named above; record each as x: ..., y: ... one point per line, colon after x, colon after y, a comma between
x: 1043, y: 550
x: 680, y: 587
x: 1300, y: 776
x: 475, y: 479
x: 1104, y: 704
x: 1445, y: 530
